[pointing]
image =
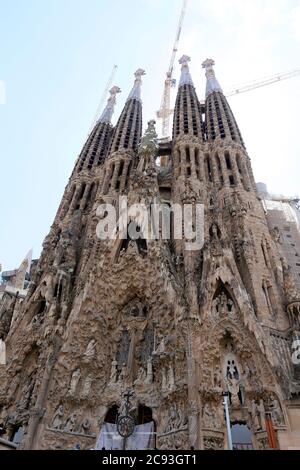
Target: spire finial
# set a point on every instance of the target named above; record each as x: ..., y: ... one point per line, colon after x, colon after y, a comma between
x: 185, y: 78
x: 136, y: 90
x: 110, y: 107
x: 212, y: 83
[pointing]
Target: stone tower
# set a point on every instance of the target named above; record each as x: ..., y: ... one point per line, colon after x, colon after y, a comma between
x: 166, y: 325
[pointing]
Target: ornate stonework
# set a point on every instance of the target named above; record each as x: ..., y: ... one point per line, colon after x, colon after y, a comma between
x: 177, y: 328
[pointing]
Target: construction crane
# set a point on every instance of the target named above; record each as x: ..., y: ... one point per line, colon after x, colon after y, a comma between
x: 260, y: 83
x: 104, y: 96
x: 165, y: 111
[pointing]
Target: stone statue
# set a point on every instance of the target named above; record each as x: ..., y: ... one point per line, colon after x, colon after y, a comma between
x: 234, y: 388
x: 57, y: 422
x: 216, y: 306
x: 218, y: 378
x: 141, y: 377
x: 114, y: 372
x: 163, y: 379
x: 149, y: 378
x: 86, y: 426
x: 275, y: 409
x: 90, y: 351
x: 86, y: 389
x: 161, y: 348
x: 214, y: 232
x: 209, y: 417
x: 123, y: 373
x: 71, y: 423
x: 258, y: 415
x: 74, y: 382
x: 173, y: 420
x: 171, y: 378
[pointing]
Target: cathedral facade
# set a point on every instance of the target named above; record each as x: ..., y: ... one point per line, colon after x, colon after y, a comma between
x: 145, y: 332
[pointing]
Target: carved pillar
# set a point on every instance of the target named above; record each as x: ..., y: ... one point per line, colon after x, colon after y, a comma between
x: 193, y: 164
x: 176, y: 163
x: 183, y: 160
x: 38, y: 411
x: 235, y: 170
x: 124, y: 175
x: 115, y: 176
x: 224, y: 169
x: 85, y: 196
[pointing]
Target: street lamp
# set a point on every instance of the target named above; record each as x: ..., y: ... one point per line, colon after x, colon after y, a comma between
x: 227, y: 417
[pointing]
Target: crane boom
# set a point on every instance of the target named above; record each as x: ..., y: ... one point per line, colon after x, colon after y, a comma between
x: 268, y: 81
x: 104, y: 95
x: 165, y: 111
x: 177, y: 38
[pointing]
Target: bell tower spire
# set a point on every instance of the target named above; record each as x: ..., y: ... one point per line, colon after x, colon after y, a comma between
x: 135, y: 93
x: 187, y: 114
x: 108, y: 111
x: 220, y: 121
x: 125, y: 141
x: 185, y: 78
x: 212, y: 83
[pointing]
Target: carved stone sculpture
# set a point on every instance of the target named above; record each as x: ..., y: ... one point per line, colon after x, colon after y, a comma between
x: 71, y: 423
x: 57, y: 422
x: 74, y: 382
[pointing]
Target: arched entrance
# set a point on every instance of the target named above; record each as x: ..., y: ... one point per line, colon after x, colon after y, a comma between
x: 142, y: 438
x: 241, y: 436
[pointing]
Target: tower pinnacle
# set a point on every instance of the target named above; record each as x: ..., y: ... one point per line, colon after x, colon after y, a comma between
x: 110, y: 107
x: 212, y: 83
x: 185, y: 78
x: 135, y: 93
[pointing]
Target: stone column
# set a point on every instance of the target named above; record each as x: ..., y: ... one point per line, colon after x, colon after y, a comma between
x: 85, y: 196
x: 124, y: 175
x: 176, y: 163
x: 193, y: 164
x: 224, y: 169
x: 115, y: 175
x: 183, y: 160
x: 235, y: 170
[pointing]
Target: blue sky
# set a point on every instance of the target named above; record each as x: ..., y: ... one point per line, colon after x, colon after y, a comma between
x: 57, y: 55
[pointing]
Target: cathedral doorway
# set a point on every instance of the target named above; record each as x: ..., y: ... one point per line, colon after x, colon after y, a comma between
x: 241, y: 436
x: 142, y: 438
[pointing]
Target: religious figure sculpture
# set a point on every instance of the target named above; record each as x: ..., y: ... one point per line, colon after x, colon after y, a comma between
x: 141, y: 377
x: 86, y: 426
x: 163, y: 379
x: 114, y: 372
x: 275, y: 408
x: 91, y: 349
x: 58, y: 418
x: 258, y: 415
x: 234, y: 389
x: 171, y: 378
x: 86, y: 389
x: 74, y: 382
x: 71, y: 423
x: 149, y: 378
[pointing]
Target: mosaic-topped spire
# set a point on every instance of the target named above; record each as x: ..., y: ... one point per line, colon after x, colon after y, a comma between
x: 110, y: 107
x: 185, y: 78
x: 135, y: 93
x: 212, y: 83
